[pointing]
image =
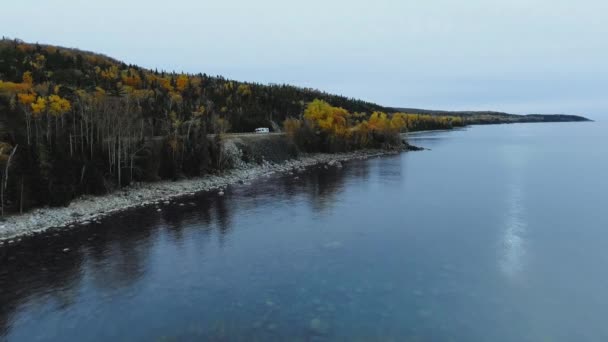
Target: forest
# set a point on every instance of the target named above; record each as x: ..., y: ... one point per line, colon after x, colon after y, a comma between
x: 328, y: 128
x: 75, y: 122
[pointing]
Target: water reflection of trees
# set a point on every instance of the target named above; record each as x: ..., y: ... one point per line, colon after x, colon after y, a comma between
x: 115, y: 254
x: 34, y: 272
x: 319, y: 185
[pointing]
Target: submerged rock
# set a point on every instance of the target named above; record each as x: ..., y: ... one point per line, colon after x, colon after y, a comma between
x: 408, y: 147
x: 333, y: 245
x: 319, y: 326
x: 425, y: 313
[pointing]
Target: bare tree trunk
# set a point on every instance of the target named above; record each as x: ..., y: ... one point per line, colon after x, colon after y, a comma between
x: 21, y: 198
x: 109, y: 155
x: 92, y: 134
x: 119, y: 180
x: 81, y: 137
x: 2, y: 197
x: 8, y: 164
x: 28, y: 125
x: 4, y: 182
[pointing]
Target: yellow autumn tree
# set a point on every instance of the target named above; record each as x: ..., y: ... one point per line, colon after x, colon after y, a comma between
x: 39, y: 106
x: 327, y: 118
x: 58, y: 106
x: 397, y: 123
x: 26, y: 100
x: 244, y: 90
x: 27, y: 78
x: 181, y: 83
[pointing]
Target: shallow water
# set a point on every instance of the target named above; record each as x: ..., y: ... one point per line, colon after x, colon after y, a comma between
x: 496, y: 234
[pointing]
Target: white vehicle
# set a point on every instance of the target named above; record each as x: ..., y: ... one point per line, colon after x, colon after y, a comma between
x: 262, y: 130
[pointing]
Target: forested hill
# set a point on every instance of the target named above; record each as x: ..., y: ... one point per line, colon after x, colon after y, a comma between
x: 492, y: 117
x: 75, y: 122
x: 73, y: 74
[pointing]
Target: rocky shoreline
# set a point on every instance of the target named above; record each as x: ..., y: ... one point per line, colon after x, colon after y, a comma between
x: 89, y: 209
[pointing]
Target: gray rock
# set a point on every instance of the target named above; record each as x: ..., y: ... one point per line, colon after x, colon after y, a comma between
x: 425, y: 313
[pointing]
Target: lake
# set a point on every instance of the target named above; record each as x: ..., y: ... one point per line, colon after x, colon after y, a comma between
x: 497, y: 233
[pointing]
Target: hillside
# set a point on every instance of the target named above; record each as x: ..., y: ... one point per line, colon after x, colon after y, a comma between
x: 245, y: 105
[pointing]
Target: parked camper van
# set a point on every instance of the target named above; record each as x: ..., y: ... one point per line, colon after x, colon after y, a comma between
x: 262, y: 130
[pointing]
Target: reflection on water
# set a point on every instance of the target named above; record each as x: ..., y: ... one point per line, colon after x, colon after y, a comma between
x: 401, y: 248
x: 513, y: 242
x: 512, y: 261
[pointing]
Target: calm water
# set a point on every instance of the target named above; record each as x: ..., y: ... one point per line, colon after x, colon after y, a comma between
x: 499, y: 233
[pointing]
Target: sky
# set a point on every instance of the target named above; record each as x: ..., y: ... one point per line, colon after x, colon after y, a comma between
x: 520, y: 56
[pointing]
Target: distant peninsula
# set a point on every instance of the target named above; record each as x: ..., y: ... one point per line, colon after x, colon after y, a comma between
x: 493, y: 117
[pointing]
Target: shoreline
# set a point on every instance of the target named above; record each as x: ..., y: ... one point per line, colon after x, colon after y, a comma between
x: 86, y: 210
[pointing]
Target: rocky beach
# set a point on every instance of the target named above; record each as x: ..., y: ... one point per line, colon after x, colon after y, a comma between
x: 88, y: 210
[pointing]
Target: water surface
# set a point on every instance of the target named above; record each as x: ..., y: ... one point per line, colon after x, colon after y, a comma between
x: 498, y: 233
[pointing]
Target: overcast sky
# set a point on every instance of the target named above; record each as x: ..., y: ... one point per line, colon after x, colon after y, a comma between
x: 523, y: 56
